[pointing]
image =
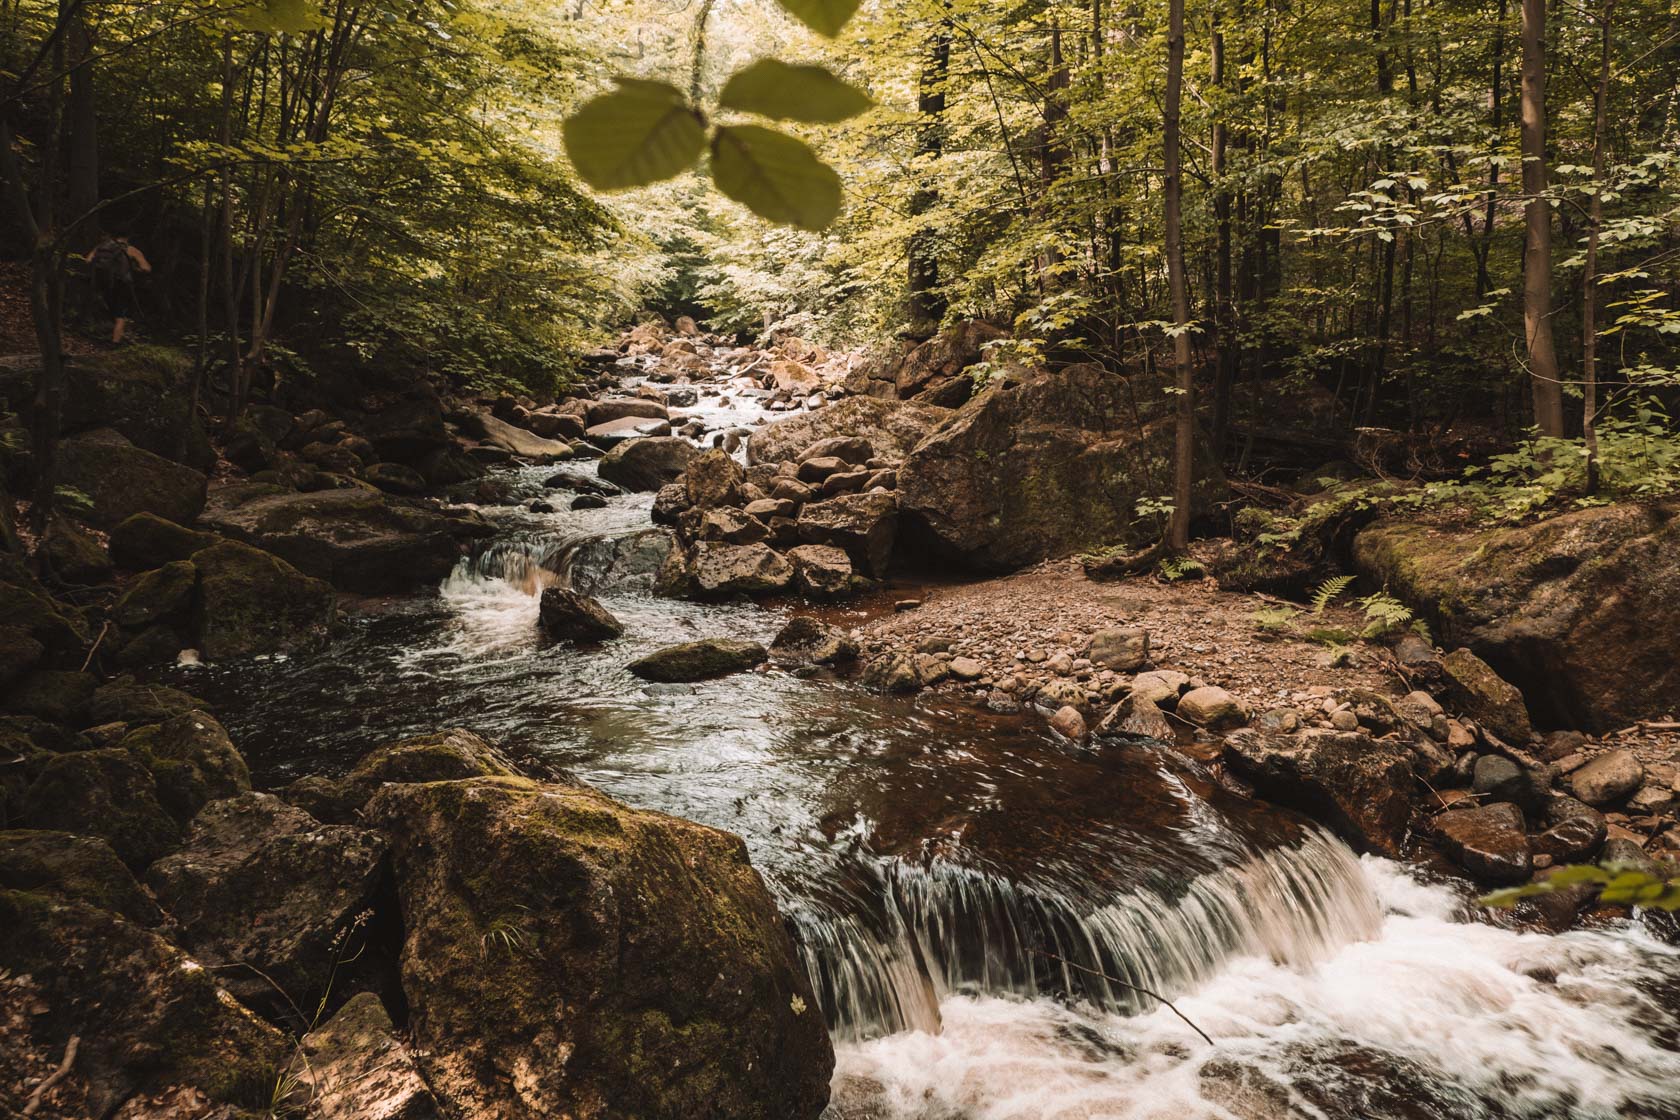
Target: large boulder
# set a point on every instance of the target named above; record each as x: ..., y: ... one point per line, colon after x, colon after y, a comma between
x: 517, y: 441
x: 944, y: 357
x: 439, y: 756
x: 712, y: 479
x: 630, y: 562
x: 699, y: 661
x: 409, y: 429
x: 891, y: 427
x: 356, y: 539
x: 1044, y: 466
x: 192, y: 762
x: 83, y: 868
x: 149, y: 1018
x: 121, y: 480
x: 566, y: 616
x: 146, y: 541
x: 646, y: 464
x: 622, y: 408
x: 1488, y: 841
x: 717, y: 569
x: 250, y: 601
x: 107, y: 793
x: 566, y: 955
x: 1576, y: 610
x: 268, y: 892
x: 1359, y: 786
x: 73, y: 555
x: 864, y: 526
x: 141, y: 391
x: 822, y: 571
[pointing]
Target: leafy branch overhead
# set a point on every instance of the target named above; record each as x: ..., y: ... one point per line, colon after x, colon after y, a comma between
x: 647, y: 131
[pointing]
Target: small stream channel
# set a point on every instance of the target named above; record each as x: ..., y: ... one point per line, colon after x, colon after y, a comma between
x: 978, y: 904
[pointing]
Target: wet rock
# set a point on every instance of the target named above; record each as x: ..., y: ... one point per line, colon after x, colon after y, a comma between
x: 809, y: 641
x: 121, y: 480
x: 1607, y: 778
x: 517, y: 441
x: 1576, y: 608
x: 1068, y: 723
x: 192, y: 762
x: 712, y: 479
x: 1048, y: 466
x: 615, y: 432
x: 1136, y: 717
x: 629, y: 562
x: 646, y: 464
x: 73, y: 555
x: 891, y: 428
x: 621, y: 408
x: 891, y: 672
x: 1485, y: 697
x: 1160, y: 686
x: 1211, y: 707
x: 356, y: 539
x: 821, y: 571
x: 250, y: 602
x: 149, y: 1018
x: 81, y: 868
x: 1488, y: 841
x: 718, y: 569
x: 439, y: 756
x: 1575, y: 831
x: 681, y: 991
x: 264, y: 884
x: 864, y: 525
x: 703, y: 660
x: 354, y: 1065
x: 394, y: 478
x: 1123, y: 649
x: 588, y: 501
x: 106, y: 793
x: 566, y: 616
x: 1361, y: 787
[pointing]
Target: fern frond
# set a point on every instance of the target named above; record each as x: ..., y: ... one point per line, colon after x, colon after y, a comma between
x: 1329, y: 591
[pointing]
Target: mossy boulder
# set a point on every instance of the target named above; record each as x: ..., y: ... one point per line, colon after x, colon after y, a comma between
x: 699, y: 661
x: 107, y: 793
x: 263, y: 884
x: 1047, y: 465
x: 440, y: 756
x: 83, y: 868
x: 1577, y: 611
x: 73, y: 555
x: 150, y: 1019
x: 126, y: 700
x: 567, y: 955
x: 20, y: 652
x: 192, y: 760
x: 147, y: 541
x: 58, y: 695
x: 250, y: 601
x: 26, y: 605
x: 121, y: 480
x: 356, y: 1065
x: 156, y: 596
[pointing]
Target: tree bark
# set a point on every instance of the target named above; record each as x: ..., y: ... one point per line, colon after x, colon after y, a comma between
x: 1227, y: 346
x: 926, y: 306
x: 1589, y: 273
x: 1184, y: 447
x: 1537, y: 254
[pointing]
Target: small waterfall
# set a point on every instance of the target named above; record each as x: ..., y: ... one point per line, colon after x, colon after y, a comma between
x: 943, y: 929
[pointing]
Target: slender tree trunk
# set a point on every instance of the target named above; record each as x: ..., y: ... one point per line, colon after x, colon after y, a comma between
x: 1184, y: 447
x: 82, y: 185
x: 1229, y: 349
x: 926, y: 305
x: 1537, y: 255
x: 1589, y: 273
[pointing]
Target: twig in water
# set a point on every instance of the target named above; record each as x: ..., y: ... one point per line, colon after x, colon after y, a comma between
x: 1133, y: 987
x: 54, y: 1077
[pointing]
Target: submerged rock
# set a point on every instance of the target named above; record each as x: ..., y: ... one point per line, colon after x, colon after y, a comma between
x: 699, y: 661
x: 566, y: 955
x: 564, y: 615
x: 1361, y: 787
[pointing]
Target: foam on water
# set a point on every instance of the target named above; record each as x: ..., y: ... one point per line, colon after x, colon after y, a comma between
x: 1432, y: 1016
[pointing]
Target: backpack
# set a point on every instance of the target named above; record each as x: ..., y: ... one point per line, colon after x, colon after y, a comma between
x: 111, y: 263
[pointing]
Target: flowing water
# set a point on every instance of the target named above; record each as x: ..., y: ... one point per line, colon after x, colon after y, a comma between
x: 989, y: 917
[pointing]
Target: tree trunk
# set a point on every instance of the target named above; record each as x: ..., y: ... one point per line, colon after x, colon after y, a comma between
x: 1184, y: 447
x: 926, y: 305
x: 1227, y: 346
x: 1589, y: 273
x: 1537, y: 254
x: 82, y: 186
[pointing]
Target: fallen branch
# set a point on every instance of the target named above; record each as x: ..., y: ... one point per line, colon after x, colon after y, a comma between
x: 1130, y: 987
x: 53, y: 1078
x: 95, y: 648
x: 1126, y: 563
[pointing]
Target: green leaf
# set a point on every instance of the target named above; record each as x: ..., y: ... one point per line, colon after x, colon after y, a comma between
x: 276, y: 17
x: 792, y: 93
x: 826, y: 17
x: 775, y: 176
x: 638, y: 134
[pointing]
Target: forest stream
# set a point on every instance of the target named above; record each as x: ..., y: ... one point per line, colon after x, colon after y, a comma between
x: 981, y: 906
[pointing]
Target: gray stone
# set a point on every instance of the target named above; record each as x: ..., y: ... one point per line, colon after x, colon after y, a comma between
x: 1607, y: 778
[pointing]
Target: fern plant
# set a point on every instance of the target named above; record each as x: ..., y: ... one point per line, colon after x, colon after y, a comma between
x: 1273, y: 619
x: 1329, y: 591
x: 1384, y: 615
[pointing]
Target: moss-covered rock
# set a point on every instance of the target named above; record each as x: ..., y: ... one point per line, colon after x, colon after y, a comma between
x: 107, y: 793
x: 250, y: 601
x: 73, y: 555
x: 147, y: 541
x: 149, y: 1018
x: 1044, y: 466
x: 891, y: 427
x: 356, y: 1065
x: 160, y: 595
x: 440, y: 756
x: 1577, y: 610
x: 1486, y: 697
x: 569, y: 956
x: 26, y: 605
x: 192, y: 761
x: 59, y: 695
x: 126, y: 700
x: 263, y: 884
x: 699, y: 661
x: 121, y: 480
x: 84, y: 868
x: 20, y: 652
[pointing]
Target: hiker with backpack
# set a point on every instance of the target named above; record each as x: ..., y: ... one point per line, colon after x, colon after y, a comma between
x: 114, y: 262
